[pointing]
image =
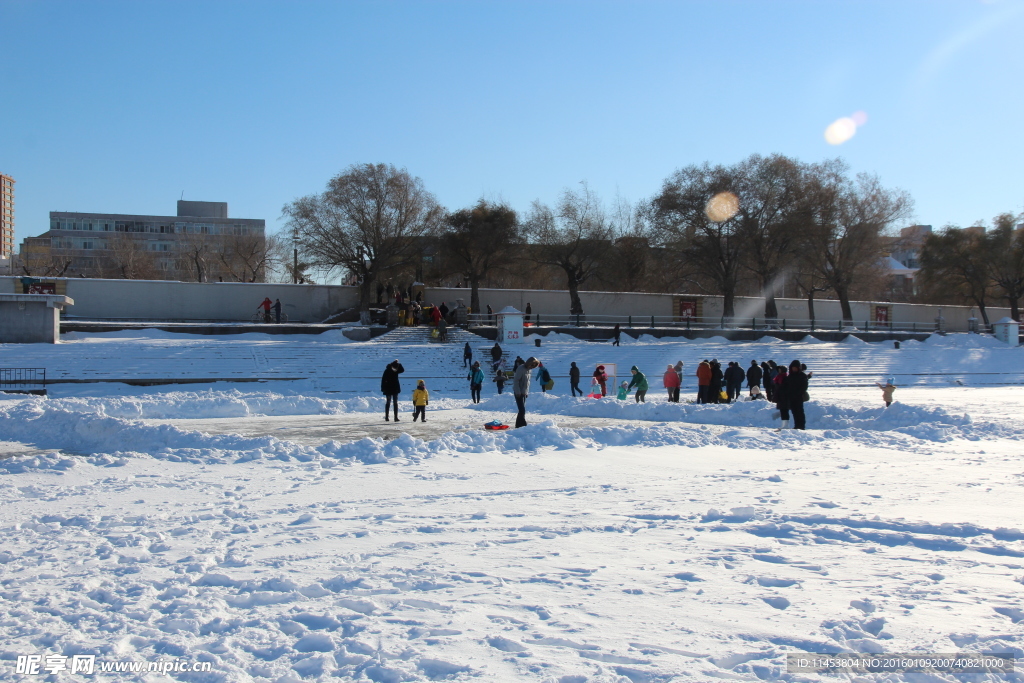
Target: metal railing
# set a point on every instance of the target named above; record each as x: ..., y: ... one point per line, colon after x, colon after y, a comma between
x: 727, y: 323
x: 23, y: 380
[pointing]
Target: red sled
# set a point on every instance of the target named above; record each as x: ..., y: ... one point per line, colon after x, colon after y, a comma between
x: 497, y: 427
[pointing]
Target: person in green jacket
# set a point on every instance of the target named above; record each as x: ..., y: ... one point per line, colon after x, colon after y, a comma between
x: 640, y: 382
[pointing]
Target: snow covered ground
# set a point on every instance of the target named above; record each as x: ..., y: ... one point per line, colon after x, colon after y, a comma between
x: 282, y: 531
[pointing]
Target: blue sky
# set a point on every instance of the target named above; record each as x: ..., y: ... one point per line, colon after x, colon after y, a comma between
x: 119, y: 107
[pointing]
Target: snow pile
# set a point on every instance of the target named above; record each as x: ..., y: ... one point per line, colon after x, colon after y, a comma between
x: 922, y: 422
x: 214, y: 404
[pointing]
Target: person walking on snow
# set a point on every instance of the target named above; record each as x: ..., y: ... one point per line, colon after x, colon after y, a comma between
x: 390, y: 387
x: 544, y: 377
x: 277, y: 311
x: 887, y: 389
x: 499, y: 379
x: 476, y: 381
x: 467, y: 356
x: 640, y: 382
x: 521, y: 388
x: 617, y: 333
x: 420, y: 400
x: 574, y: 379
x: 495, y: 356
x: 679, y: 371
x: 267, y: 303
x: 671, y: 383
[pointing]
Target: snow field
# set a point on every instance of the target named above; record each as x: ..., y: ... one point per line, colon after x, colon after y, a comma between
x: 645, y: 543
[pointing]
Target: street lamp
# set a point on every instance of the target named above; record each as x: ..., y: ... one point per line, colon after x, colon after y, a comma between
x: 295, y: 256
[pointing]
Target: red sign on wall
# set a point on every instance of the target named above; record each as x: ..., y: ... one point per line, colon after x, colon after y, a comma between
x: 687, y: 309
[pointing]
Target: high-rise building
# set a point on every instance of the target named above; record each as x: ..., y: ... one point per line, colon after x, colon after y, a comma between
x: 6, y: 216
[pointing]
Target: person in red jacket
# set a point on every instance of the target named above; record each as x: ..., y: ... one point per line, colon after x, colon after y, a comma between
x: 435, y: 315
x: 703, y: 381
x: 267, y: 303
x: 671, y: 382
x: 602, y: 379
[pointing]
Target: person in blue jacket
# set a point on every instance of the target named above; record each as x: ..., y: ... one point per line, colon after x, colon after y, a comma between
x: 476, y: 381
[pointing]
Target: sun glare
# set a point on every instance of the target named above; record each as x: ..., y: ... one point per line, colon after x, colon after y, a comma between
x: 722, y: 206
x: 840, y: 130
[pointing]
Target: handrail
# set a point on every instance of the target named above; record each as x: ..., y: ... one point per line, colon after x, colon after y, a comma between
x: 628, y: 322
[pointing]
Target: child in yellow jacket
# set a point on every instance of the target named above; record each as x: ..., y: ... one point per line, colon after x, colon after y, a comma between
x: 420, y: 399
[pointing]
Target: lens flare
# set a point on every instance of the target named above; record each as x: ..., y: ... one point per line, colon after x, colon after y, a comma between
x: 859, y: 117
x: 840, y: 130
x: 722, y: 206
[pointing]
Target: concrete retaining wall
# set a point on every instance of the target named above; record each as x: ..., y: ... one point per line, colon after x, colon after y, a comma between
x: 233, y: 301
x: 221, y: 301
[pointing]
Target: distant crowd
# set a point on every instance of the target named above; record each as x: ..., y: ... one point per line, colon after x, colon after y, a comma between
x: 785, y: 386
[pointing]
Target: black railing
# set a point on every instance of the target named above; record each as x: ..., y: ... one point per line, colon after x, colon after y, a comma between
x: 23, y: 380
x: 730, y: 323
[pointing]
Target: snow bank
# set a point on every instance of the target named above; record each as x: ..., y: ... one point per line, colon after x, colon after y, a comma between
x: 923, y: 422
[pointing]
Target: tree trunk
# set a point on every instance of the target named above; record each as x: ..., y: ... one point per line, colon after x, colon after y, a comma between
x: 365, y: 292
x: 575, y: 305
x: 771, y: 310
x: 844, y: 304
x: 729, y: 304
x: 1014, y: 308
x: 474, y: 296
x: 983, y: 311
x: 810, y: 303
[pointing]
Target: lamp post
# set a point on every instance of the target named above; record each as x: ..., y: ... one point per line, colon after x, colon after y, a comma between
x: 295, y: 256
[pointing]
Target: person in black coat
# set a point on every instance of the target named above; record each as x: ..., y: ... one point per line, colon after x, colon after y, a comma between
x: 754, y: 374
x: 574, y: 379
x: 733, y: 380
x: 715, y: 388
x: 767, y: 376
x: 795, y: 388
x: 781, y: 395
x: 467, y: 356
x: 390, y: 387
x: 495, y: 355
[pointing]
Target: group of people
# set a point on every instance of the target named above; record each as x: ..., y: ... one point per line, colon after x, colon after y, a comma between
x: 391, y: 388
x: 267, y: 305
x: 785, y: 386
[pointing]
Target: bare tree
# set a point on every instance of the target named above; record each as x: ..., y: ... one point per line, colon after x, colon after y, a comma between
x: 768, y: 190
x: 1006, y: 260
x: 478, y: 240
x: 573, y: 238
x: 129, y: 259
x: 955, y: 262
x: 631, y: 248
x: 368, y: 222
x: 843, y: 224
x: 246, y: 257
x: 194, y: 253
x: 708, y: 243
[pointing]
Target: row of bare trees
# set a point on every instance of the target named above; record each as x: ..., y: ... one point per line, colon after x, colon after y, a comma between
x: 724, y: 230
x: 976, y: 266
x: 197, y: 257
